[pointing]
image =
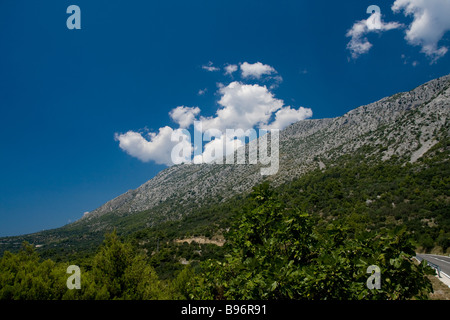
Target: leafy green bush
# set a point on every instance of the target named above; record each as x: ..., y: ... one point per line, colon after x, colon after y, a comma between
x: 276, y: 253
x: 24, y: 277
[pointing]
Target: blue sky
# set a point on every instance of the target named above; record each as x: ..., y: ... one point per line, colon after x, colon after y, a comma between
x: 67, y: 95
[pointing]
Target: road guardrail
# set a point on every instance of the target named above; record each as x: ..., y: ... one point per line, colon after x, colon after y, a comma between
x: 434, y: 266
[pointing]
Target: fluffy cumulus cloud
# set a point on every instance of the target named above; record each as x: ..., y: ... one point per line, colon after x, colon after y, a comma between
x: 255, y: 70
x: 217, y: 148
x: 242, y: 107
x: 287, y: 116
x: 155, y: 147
x: 184, y: 116
x: 230, y: 69
x: 431, y: 20
x: 359, y: 44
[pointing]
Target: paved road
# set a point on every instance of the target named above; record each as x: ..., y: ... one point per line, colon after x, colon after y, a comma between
x: 442, y: 261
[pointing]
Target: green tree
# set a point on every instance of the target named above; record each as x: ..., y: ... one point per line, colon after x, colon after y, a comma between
x: 269, y: 244
x: 340, y: 269
x: 24, y: 277
x: 121, y: 273
x: 180, y: 285
x: 276, y: 253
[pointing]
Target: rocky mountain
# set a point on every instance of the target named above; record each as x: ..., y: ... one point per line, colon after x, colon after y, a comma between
x: 406, y: 124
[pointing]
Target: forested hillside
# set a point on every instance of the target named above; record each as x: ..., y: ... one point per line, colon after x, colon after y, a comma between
x: 310, y: 238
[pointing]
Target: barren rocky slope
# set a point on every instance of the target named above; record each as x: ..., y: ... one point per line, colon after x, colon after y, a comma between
x: 406, y: 124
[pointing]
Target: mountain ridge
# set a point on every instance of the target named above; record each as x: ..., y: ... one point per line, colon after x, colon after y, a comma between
x: 405, y: 125
x: 315, y: 138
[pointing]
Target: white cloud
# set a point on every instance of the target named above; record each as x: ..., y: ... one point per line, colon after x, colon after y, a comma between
x: 287, y: 116
x: 277, y: 80
x: 256, y: 70
x: 244, y: 106
x: 217, y: 148
x: 359, y: 44
x: 209, y: 67
x: 157, y: 147
x: 201, y: 92
x: 431, y: 22
x: 230, y: 69
x: 184, y: 116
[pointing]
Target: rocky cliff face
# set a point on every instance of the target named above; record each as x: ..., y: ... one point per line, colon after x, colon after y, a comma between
x: 406, y: 125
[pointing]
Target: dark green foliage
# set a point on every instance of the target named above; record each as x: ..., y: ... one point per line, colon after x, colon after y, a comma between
x: 276, y: 253
x: 311, y: 238
x: 116, y: 272
x: 383, y: 195
x: 340, y: 270
x: 122, y: 273
x: 273, y: 252
x: 24, y: 277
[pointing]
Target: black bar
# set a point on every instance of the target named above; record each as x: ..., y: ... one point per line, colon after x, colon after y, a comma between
x: 287, y: 309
